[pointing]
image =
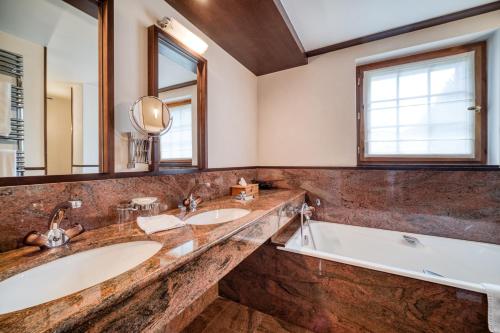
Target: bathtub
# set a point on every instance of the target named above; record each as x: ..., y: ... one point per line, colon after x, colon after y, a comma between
x: 452, y: 262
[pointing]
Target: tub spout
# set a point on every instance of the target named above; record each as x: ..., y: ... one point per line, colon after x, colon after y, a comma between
x: 412, y: 240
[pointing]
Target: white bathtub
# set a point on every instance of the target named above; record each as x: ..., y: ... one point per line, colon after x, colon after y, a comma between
x: 462, y: 264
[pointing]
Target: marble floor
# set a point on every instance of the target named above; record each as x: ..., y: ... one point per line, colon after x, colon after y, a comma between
x: 224, y: 316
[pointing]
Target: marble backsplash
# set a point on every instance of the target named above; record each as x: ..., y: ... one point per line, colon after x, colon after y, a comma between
x: 456, y: 204
x: 26, y: 208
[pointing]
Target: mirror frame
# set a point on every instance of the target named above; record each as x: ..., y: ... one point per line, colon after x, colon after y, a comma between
x: 104, y: 13
x: 155, y: 35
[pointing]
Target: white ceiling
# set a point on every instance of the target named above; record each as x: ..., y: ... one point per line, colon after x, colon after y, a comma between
x: 320, y: 23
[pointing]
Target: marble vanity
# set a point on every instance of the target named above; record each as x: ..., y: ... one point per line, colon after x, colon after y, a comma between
x: 158, y: 291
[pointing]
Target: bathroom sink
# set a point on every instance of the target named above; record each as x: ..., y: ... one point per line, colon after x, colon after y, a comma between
x: 217, y: 216
x: 73, y: 273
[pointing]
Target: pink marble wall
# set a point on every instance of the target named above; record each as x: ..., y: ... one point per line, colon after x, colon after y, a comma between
x: 457, y: 204
x: 27, y: 208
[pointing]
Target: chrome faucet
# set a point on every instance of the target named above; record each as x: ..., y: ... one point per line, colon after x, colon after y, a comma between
x: 191, y: 202
x: 306, y: 213
x: 56, y: 236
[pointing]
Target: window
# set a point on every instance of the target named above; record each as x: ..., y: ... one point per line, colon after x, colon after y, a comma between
x: 426, y: 108
x: 177, y: 144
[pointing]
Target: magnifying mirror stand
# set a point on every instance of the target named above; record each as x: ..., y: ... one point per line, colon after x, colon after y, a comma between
x: 139, y: 149
x: 150, y: 117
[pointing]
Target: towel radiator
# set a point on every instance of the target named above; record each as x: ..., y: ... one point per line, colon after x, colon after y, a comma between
x: 11, y: 64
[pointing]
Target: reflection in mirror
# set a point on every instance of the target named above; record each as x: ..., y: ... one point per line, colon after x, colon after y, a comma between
x: 177, y: 87
x: 150, y: 116
x: 49, y: 109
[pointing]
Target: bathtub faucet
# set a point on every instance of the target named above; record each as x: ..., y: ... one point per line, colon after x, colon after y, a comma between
x: 306, y: 212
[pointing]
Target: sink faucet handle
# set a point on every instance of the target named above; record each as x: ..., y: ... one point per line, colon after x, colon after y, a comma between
x: 56, y: 236
x: 75, y: 230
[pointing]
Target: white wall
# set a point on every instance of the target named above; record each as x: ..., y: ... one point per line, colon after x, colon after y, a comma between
x: 232, y: 89
x: 90, y: 124
x: 494, y: 97
x: 307, y: 114
x: 58, y: 135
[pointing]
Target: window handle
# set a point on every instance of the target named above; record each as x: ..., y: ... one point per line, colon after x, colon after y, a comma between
x: 475, y: 108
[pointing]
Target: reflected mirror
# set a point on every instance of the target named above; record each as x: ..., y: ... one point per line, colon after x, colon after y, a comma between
x: 150, y: 116
x: 179, y: 80
x: 49, y: 88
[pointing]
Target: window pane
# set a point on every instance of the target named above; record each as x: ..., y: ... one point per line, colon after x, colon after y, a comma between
x: 421, y: 108
x: 413, y: 114
x: 178, y: 143
x: 383, y: 88
x: 413, y: 83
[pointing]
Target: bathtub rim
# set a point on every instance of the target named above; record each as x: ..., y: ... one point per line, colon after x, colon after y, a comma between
x: 475, y: 287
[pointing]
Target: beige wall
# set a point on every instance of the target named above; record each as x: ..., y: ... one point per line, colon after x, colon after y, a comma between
x: 232, y: 89
x: 307, y: 114
x: 58, y: 136
x: 33, y: 96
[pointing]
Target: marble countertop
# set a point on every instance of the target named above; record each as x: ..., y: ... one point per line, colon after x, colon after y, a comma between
x: 179, y: 247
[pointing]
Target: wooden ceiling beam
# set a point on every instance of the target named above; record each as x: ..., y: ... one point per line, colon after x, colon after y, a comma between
x: 257, y: 33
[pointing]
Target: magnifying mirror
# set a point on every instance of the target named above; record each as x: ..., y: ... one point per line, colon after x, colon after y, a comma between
x: 150, y: 116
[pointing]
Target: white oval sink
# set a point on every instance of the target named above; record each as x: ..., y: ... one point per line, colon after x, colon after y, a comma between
x: 73, y: 273
x: 217, y: 216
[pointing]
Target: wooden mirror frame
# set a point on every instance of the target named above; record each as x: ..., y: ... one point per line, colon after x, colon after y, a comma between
x: 104, y: 14
x: 155, y: 34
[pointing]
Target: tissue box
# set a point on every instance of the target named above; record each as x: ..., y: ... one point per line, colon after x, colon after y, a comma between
x: 249, y: 189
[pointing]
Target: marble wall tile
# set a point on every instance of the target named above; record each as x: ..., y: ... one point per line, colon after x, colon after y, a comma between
x: 27, y: 208
x: 325, y: 296
x: 456, y: 204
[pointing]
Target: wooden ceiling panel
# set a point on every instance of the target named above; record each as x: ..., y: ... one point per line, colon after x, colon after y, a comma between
x: 257, y: 33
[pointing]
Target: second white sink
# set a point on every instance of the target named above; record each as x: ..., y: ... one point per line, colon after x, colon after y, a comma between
x: 217, y: 216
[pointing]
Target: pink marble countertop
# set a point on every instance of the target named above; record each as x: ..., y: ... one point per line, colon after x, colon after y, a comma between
x: 179, y: 247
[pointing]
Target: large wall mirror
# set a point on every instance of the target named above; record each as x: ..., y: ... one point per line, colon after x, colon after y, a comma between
x: 54, y: 87
x: 177, y: 76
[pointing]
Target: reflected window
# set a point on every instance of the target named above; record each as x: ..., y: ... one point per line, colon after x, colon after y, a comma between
x: 177, y: 144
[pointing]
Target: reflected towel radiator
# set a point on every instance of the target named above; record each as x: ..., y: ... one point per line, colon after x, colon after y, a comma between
x: 11, y: 64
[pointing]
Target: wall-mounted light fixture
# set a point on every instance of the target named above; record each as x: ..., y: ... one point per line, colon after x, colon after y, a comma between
x: 174, y: 28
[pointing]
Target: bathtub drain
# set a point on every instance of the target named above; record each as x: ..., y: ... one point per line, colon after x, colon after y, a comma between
x: 426, y: 271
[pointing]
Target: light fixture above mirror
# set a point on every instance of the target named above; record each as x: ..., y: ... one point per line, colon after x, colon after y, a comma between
x: 183, y: 34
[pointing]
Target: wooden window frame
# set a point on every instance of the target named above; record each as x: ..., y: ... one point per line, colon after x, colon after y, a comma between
x: 480, y: 72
